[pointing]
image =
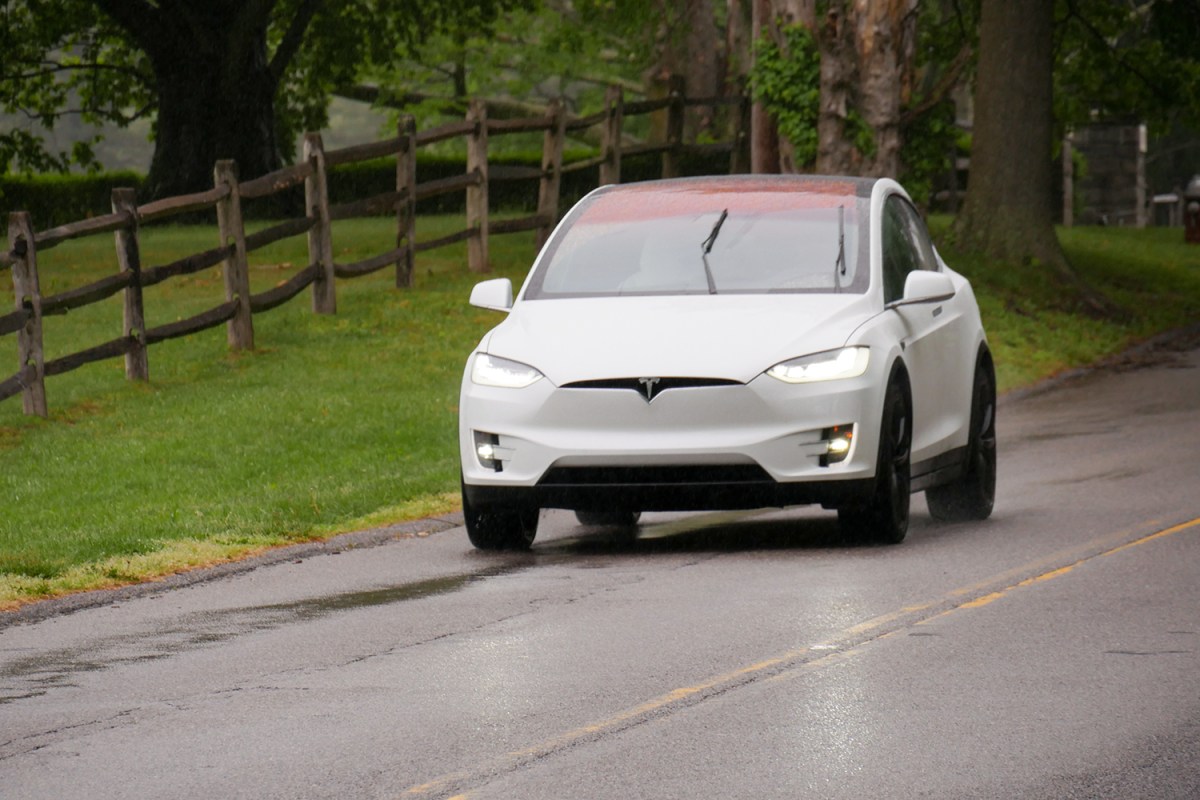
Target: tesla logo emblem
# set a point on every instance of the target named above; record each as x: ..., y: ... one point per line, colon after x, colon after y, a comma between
x: 649, y: 387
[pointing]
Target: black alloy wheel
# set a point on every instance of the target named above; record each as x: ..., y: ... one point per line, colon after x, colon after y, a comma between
x: 884, y: 518
x: 500, y: 527
x: 972, y: 496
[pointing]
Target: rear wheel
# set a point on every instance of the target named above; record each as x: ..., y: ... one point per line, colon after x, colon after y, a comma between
x: 500, y: 527
x: 884, y: 517
x: 614, y: 519
x: 973, y: 495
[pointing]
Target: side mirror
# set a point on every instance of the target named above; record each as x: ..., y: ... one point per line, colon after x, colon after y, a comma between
x: 923, y: 286
x: 495, y: 295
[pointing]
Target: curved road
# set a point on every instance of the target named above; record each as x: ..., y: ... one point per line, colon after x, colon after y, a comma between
x: 1050, y: 652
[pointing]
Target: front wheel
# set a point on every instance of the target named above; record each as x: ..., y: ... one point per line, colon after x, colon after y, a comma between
x: 884, y: 517
x: 500, y: 527
x: 973, y: 495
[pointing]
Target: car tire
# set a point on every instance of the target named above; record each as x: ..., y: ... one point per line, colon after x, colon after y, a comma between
x: 972, y: 496
x: 612, y: 519
x: 884, y: 517
x: 500, y: 527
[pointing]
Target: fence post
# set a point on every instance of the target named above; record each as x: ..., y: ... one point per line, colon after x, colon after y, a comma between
x: 552, y: 158
x: 1139, y: 191
x: 406, y: 209
x: 29, y: 338
x: 129, y: 259
x: 477, y: 195
x: 240, y: 329
x: 610, y: 137
x: 670, y: 158
x: 320, y: 235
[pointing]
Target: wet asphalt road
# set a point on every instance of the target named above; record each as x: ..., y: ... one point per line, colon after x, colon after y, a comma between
x: 1050, y: 652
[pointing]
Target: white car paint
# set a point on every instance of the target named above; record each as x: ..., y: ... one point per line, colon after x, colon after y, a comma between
x: 757, y: 419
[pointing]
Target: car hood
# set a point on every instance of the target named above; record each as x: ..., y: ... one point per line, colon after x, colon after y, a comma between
x: 734, y: 337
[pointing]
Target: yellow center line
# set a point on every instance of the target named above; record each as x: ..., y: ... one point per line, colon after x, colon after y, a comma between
x: 836, y: 648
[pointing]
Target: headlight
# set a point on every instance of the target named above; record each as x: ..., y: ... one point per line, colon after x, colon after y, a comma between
x: 849, y: 362
x: 492, y: 371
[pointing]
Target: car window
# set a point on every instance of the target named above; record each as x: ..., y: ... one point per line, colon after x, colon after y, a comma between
x: 918, y: 235
x: 906, y: 246
x: 625, y: 244
x: 899, y: 250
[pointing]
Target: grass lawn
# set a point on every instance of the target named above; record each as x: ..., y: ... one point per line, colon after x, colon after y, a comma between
x: 335, y: 423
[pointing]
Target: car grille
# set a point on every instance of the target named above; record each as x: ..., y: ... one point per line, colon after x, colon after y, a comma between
x: 663, y: 384
x: 655, y: 476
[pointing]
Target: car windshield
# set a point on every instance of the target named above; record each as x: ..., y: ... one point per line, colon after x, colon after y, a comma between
x: 704, y: 242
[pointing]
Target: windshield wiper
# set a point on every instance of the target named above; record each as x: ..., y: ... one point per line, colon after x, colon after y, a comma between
x: 706, y: 247
x: 839, y: 266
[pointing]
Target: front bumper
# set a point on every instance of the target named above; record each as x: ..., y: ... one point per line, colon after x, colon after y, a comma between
x: 759, y: 444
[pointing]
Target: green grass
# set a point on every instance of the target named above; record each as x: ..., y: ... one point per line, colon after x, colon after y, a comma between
x: 1038, y: 328
x: 338, y: 422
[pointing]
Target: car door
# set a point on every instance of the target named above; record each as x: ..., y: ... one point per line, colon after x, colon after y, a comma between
x: 934, y: 333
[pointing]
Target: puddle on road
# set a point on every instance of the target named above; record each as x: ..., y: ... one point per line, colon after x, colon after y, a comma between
x: 33, y: 676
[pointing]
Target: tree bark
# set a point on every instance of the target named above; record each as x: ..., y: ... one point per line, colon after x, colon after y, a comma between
x: 216, y: 102
x: 886, y: 52
x: 867, y: 55
x: 836, y: 151
x: 704, y: 68
x: 216, y: 85
x: 1008, y: 213
x: 764, y: 136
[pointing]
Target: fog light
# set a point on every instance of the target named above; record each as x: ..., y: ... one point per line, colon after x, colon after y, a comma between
x: 485, y: 451
x: 838, y: 440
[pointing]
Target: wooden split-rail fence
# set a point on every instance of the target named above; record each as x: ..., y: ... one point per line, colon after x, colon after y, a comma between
x: 227, y: 194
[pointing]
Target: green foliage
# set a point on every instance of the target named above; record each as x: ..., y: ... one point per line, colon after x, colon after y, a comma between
x: 1127, y: 60
x: 64, y: 57
x: 71, y: 57
x: 931, y: 144
x: 786, y: 80
x: 542, y: 51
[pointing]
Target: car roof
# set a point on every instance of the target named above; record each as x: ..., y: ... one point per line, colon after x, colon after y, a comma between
x: 721, y: 184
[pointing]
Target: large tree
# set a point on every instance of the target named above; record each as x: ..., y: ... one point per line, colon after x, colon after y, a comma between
x: 837, y: 75
x: 1009, y: 211
x: 1128, y: 59
x: 220, y: 78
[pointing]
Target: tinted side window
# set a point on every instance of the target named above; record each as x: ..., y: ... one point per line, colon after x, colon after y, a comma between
x: 899, y: 252
x: 918, y: 235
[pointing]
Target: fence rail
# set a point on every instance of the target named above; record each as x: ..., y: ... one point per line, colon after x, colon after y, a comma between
x: 227, y: 194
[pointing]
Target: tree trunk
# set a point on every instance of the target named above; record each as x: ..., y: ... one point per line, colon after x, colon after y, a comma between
x: 764, y: 136
x: 867, y: 56
x: 836, y: 151
x: 216, y: 97
x: 886, y: 52
x: 704, y: 68
x: 1008, y: 213
x: 204, y: 117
